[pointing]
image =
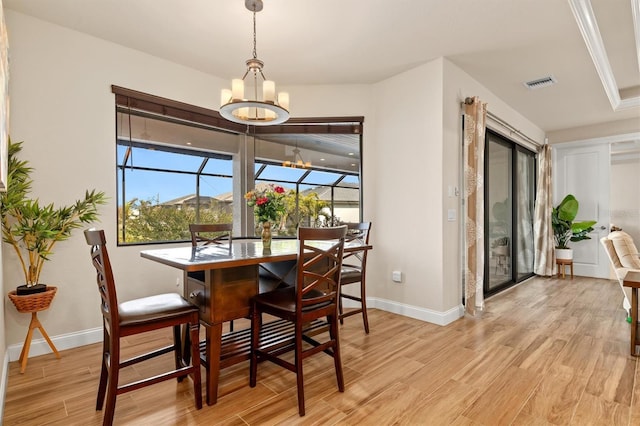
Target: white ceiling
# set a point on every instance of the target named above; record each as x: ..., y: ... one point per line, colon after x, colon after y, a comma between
x: 501, y: 43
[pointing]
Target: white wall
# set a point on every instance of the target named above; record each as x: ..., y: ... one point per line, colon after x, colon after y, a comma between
x: 625, y: 196
x: 407, y: 173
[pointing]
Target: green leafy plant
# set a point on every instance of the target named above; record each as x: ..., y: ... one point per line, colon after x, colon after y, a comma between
x: 33, y: 229
x: 564, y: 227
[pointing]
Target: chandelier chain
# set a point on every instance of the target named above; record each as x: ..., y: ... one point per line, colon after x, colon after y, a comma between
x: 255, y: 54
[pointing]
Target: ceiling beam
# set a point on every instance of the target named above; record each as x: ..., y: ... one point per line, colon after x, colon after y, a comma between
x: 586, y: 19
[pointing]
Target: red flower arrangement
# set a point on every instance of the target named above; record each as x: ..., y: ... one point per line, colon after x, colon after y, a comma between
x: 268, y: 204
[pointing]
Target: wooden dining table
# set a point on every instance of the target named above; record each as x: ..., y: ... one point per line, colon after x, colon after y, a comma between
x: 221, y: 280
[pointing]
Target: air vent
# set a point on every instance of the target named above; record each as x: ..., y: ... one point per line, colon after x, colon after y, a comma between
x: 540, y: 83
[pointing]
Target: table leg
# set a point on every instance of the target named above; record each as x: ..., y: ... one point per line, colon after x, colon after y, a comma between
x: 213, y: 350
x: 634, y: 319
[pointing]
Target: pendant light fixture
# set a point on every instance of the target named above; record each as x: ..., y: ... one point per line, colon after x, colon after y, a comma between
x: 298, y: 162
x: 253, y: 110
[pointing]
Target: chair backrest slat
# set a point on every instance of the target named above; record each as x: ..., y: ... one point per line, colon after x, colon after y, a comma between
x: 357, y: 232
x: 319, y: 264
x: 210, y: 233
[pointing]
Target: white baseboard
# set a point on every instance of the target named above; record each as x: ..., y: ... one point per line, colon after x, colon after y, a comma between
x: 62, y: 342
x: 423, y: 314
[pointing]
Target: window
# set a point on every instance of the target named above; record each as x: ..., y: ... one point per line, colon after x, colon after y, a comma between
x: 163, y: 188
x: 178, y: 164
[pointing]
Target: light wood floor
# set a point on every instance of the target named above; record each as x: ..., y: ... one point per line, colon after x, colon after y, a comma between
x: 546, y: 352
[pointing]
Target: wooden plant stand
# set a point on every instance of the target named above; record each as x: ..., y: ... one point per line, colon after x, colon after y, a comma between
x: 33, y: 303
x: 562, y: 266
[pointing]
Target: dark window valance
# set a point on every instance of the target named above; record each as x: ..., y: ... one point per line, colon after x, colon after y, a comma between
x: 134, y: 100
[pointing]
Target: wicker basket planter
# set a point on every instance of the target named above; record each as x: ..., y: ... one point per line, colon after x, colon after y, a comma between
x: 33, y: 302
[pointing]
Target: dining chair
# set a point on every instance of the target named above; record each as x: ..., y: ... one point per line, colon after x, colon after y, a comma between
x: 314, y: 296
x: 354, y: 268
x: 135, y: 317
x: 210, y: 234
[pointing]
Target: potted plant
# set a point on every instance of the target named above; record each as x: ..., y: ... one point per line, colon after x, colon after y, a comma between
x: 33, y: 229
x: 565, y: 229
x: 500, y: 246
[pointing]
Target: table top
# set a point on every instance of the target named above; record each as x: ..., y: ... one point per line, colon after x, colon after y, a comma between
x: 632, y: 279
x: 240, y: 253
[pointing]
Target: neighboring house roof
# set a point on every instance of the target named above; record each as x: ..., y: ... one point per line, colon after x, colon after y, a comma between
x: 190, y: 199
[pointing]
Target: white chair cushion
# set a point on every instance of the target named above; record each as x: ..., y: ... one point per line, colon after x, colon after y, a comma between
x: 625, y: 249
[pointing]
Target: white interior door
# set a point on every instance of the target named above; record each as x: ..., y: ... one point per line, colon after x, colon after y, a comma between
x: 584, y: 171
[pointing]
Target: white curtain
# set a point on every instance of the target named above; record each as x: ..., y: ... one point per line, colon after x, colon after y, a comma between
x: 542, y: 230
x: 475, y: 115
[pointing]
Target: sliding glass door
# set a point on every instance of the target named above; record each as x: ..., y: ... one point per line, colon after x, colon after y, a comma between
x: 509, y: 196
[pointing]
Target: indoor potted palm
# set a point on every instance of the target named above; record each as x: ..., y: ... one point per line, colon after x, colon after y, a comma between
x: 565, y: 229
x: 33, y: 229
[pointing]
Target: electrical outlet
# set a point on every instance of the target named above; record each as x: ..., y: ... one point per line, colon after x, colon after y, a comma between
x: 396, y: 276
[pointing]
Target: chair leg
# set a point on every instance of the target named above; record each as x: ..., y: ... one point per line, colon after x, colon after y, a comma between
x: 299, y: 373
x: 102, y: 386
x: 186, y: 345
x: 112, y: 382
x: 340, y: 308
x: 363, y: 301
x: 104, y: 372
x: 255, y: 344
x: 337, y: 359
x: 177, y: 349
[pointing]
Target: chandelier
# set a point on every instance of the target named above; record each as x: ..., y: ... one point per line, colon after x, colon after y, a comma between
x: 253, y: 110
x: 297, y: 162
